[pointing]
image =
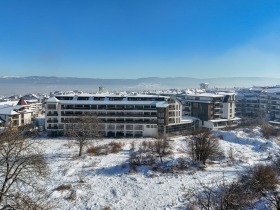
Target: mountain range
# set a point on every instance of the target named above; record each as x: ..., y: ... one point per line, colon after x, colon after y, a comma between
x: 34, y: 84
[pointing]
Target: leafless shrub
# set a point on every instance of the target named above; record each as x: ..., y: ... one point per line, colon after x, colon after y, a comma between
x: 115, y: 147
x: 273, y: 198
x: 268, y: 131
x: 146, y: 146
x: 63, y: 187
x: 259, y: 178
x: 231, y: 154
x: 182, y: 164
x: 203, y: 146
x: 276, y: 166
x: 132, y: 146
x: 72, y: 196
x: 218, y: 195
x: 98, y: 150
x: 140, y: 157
x: 24, y: 201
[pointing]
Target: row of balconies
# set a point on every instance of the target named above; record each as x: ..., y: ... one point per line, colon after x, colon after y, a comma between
x: 115, y: 115
x: 108, y: 107
x: 119, y: 120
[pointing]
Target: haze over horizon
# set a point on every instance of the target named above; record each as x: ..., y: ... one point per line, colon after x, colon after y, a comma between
x: 137, y: 39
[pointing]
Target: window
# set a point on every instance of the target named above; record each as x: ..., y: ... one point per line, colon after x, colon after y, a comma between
x: 51, y: 106
x: 160, y: 114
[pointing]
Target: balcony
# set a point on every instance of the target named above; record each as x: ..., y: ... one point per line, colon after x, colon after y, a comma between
x: 52, y: 121
x: 52, y: 114
x: 54, y: 127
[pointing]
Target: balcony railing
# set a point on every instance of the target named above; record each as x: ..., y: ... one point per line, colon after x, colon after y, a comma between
x: 49, y: 127
x: 52, y: 121
x: 52, y: 114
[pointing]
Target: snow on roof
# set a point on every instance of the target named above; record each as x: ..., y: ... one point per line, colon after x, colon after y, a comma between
x: 111, y: 95
x: 226, y: 93
x: 206, y: 95
x: 11, y: 110
x: 188, y: 119
x: 225, y: 120
x: 8, y: 111
x: 274, y: 90
x: 110, y: 102
x: 162, y: 104
x: 52, y: 99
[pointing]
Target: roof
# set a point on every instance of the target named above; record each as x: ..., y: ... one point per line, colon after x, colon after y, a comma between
x: 111, y: 95
x: 52, y: 99
x: 162, y: 104
x: 11, y: 110
x: 274, y: 90
x: 225, y: 120
x: 110, y: 102
x: 206, y: 95
x: 188, y: 119
x: 22, y: 102
x: 8, y: 111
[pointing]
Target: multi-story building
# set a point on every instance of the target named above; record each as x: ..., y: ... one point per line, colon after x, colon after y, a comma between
x: 119, y: 115
x: 15, y: 116
x: 259, y: 102
x: 214, y: 110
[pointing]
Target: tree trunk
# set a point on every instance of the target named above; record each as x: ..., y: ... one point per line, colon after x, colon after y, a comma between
x: 80, y: 150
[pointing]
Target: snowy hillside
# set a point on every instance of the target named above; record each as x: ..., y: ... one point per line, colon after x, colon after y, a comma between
x: 106, y: 181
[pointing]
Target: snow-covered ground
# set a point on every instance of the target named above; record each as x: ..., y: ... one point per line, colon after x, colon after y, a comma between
x: 106, y: 181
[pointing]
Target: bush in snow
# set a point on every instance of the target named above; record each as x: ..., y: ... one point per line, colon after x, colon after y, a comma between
x: 258, y: 179
x: 268, y: 131
x: 276, y: 165
x: 98, y: 150
x: 113, y: 147
x: 218, y: 195
x: 63, y: 187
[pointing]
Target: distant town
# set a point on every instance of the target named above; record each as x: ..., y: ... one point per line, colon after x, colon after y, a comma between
x: 144, y: 113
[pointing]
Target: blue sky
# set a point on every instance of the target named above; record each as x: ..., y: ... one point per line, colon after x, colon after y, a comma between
x: 144, y: 38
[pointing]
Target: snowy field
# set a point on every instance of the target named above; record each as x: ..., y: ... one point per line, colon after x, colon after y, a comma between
x: 100, y: 182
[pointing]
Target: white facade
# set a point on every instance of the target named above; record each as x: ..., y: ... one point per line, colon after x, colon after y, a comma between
x: 129, y: 115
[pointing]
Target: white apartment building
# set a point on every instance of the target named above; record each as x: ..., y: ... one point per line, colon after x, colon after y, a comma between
x: 119, y: 115
x: 214, y: 110
x: 259, y: 102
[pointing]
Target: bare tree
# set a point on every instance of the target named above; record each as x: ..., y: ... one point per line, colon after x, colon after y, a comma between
x: 82, y: 129
x: 161, y: 148
x: 203, y: 145
x: 22, y: 165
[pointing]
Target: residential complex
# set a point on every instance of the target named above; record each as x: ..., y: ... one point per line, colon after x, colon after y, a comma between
x: 259, y: 102
x: 120, y: 115
x: 15, y: 116
x: 214, y: 110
